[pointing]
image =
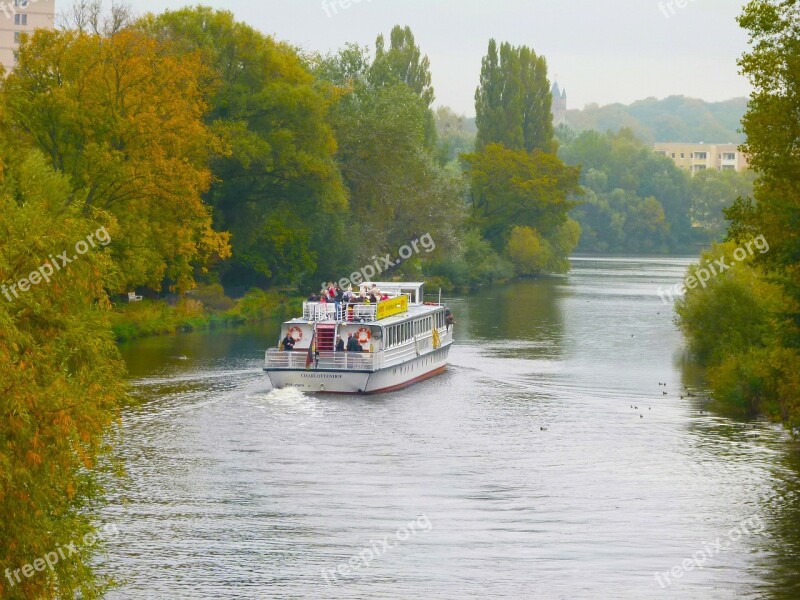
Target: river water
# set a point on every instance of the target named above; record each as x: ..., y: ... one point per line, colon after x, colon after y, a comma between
x: 547, y: 462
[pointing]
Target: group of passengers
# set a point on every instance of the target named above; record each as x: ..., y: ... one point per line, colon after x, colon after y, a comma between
x: 352, y: 344
x: 332, y: 293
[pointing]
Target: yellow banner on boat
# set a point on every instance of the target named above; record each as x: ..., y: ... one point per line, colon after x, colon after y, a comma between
x: 392, y: 307
x: 437, y: 342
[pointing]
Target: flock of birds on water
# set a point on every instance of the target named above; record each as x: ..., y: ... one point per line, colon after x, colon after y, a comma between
x: 664, y: 393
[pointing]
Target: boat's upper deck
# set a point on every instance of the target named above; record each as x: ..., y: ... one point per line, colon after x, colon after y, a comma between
x: 403, y: 299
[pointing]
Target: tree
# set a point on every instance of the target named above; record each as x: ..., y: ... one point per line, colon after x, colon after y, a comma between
x: 623, y: 174
x: 715, y: 191
x: 398, y: 189
x: 498, y: 99
x: 537, y: 102
x: 772, y: 124
x: 454, y: 133
x: 60, y: 376
x: 122, y: 117
x: 746, y: 325
x: 512, y: 188
x: 87, y: 16
x: 277, y: 189
x: 403, y: 62
x: 513, y: 103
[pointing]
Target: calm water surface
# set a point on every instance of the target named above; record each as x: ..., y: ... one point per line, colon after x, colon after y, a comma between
x: 547, y: 463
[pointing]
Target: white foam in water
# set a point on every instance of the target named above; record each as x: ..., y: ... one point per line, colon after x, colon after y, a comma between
x: 290, y: 398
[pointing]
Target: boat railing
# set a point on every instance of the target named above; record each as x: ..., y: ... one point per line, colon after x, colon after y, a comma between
x: 338, y: 361
x: 326, y: 311
x: 353, y: 312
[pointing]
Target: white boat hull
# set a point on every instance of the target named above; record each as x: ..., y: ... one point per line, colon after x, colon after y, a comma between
x: 362, y: 382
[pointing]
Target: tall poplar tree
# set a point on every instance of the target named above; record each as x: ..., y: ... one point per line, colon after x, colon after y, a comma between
x: 513, y: 102
x: 403, y: 62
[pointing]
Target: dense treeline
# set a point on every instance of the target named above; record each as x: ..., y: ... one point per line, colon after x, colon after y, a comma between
x: 204, y: 153
x: 672, y: 119
x: 201, y: 152
x: 745, y: 323
x: 635, y: 201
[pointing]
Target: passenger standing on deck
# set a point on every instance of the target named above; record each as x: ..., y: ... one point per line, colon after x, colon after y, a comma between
x: 288, y: 343
x: 352, y: 344
x: 449, y: 319
x: 338, y: 298
x: 339, y: 344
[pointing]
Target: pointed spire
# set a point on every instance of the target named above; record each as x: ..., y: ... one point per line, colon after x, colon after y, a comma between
x: 555, y: 90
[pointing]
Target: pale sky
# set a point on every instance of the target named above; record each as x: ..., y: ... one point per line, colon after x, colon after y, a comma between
x: 603, y: 51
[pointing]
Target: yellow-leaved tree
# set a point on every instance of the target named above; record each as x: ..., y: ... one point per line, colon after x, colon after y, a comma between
x: 60, y: 378
x: 122, y: 116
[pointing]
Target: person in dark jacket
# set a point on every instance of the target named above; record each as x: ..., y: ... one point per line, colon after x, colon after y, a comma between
x: 339, y: 344
x: 353, y: 345
x: 449, y: 319
x: 288, y: 343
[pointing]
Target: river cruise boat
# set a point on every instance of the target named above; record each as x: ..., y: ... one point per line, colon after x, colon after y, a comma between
x: 397, y: 342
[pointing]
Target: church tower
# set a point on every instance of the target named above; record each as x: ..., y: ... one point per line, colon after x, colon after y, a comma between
x: 559, y: 105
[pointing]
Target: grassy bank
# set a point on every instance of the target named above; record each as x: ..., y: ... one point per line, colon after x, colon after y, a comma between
x: 207, y: 308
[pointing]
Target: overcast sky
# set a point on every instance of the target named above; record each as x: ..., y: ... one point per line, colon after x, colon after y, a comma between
x: 603, y: 51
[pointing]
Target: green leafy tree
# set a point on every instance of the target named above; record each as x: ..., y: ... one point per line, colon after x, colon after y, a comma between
x: 398, y: 189
x: 640, y: 201
x: 713, y: 192
x: 277, y: 188
x: 498, y: 99
x: 772, y: 124
x: 402, y: 62
x: 537, y: 102
x: 746, y: 325
x: 512, y: 188
x: 513, y: 103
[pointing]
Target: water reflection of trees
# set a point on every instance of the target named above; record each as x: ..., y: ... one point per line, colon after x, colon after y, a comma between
x: 520, y: 320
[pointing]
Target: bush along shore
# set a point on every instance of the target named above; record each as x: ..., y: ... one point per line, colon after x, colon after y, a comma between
x: 204, y: 308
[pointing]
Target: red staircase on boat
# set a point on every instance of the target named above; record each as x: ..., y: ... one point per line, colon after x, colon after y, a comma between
x: 326, y: 337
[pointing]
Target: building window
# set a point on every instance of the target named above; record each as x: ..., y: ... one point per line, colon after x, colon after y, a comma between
x: 673, y: 155
x: 20, y: 19
x: 729, y: 156
x: 701, y: 155
x: 16, y: 37
x: 683, y: 155
x: 21, y: 3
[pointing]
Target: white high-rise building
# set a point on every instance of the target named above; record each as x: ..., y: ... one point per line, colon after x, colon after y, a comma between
x: 18, y: 17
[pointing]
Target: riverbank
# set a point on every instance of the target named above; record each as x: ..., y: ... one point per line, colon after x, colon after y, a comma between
x: 206, y: 309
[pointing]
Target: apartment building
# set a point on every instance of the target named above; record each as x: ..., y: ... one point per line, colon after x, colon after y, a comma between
x: 18, y: 17
x: 700, y: 157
